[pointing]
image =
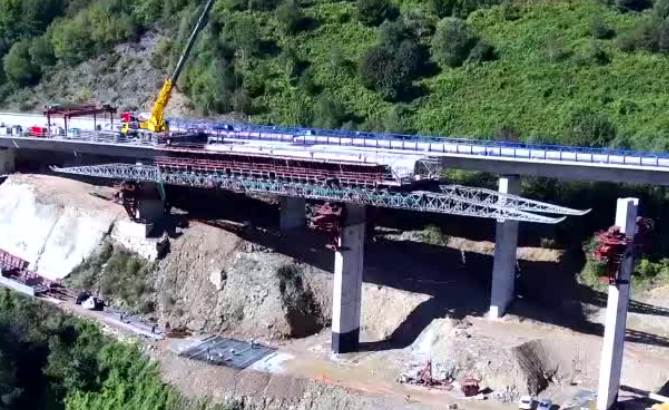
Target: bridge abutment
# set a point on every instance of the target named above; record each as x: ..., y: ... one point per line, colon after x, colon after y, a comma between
x: 347, y: 298
x: 504, y: 266
x: 293, y: 213
x: 7, y: 161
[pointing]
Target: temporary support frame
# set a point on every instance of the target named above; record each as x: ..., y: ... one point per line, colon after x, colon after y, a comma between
x: 454, y: 202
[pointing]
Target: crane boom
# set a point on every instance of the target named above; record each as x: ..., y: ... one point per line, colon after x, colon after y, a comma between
x: 156, y: 123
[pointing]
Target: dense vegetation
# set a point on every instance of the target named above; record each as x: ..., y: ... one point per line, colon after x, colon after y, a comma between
x: 587, y: 72
x: 49, y: 360
x: 119, y: 276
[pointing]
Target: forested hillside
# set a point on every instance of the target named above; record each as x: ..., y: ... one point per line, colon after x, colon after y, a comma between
x: 581, y: 72
x: 52, y: 361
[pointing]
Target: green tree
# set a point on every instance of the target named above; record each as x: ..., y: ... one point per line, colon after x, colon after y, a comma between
x: 329, y: 113
x: 374, y: 12
x: 452, y: 42
x: 444, y: 8
x: 290, y: 17
x: 71, y: 40
x: 41, y: 52
x: 19, y: 67
x: 211, y: 84
x: 242, y: 102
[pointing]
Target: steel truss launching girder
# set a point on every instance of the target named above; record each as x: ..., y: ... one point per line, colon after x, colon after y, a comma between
x: 491, y: 197
x: 454, y: 202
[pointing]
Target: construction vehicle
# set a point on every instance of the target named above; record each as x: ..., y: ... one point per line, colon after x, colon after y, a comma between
x: 156, y: 123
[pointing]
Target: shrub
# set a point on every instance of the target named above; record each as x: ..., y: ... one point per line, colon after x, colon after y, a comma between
x: 452, y: 42
x: 588, y: 129
x: 444, y: 8
x: 649, y: 35
x: 329, y: 113
x: 633, y: 5
x: 420, y: 24
x: 661, y: 9
x: 393, y: 33
x: 263, y: 5
x: 374, y: 12
x: 306, y: 82
x: 19, y: 67
x: 245, y: 37
x: 393, y: 121
x: 555, y: 51
x: 290, y: 18
x: 433, y: 235
x: 459, y: 8
x: 599, y: 56
x: 161, y: 54
x: 481, y: 53
x: 600, y: 30
x: 242, y: 102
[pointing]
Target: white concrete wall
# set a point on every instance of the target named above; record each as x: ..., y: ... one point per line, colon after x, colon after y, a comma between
x: 54, y: 239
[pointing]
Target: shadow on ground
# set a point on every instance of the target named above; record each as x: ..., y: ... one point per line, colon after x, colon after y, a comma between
x: 458, y: 282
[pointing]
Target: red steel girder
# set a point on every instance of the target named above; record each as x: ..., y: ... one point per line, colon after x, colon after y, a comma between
x: 79, y: 110
x: 275, y: 168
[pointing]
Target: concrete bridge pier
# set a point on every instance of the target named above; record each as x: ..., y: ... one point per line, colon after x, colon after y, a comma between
x: 293, y: 213
x: 504, y: 266
x: 150, y: 209
x: 347, y: 298
x: 613, y: 346
x: 7, y: 161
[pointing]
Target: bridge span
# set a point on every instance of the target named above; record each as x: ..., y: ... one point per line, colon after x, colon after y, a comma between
x: 371, y: 169
x: 437, y: 153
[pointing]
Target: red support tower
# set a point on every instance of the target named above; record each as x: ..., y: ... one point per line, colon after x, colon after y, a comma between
x: 611, y: 246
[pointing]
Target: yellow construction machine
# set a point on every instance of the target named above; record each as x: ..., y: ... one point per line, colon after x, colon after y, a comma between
x: 156, y: 122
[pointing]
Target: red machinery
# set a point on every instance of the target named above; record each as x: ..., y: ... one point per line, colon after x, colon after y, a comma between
x: 36, y: 131
x: 126, y: 195
x: 329, y: 218
x: 612, y: 245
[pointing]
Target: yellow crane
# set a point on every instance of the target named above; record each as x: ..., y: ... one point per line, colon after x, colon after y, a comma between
x: 156, y: 122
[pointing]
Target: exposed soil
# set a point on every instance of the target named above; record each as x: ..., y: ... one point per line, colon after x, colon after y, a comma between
x: 232, y: 272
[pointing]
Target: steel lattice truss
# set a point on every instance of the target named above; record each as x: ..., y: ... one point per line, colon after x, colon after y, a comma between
x: 451, y: 201
x: 491, y: 197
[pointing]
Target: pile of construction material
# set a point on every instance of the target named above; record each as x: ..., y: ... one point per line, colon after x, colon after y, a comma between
x: 440, y: 375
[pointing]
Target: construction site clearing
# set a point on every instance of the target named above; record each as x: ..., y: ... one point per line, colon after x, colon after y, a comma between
x: 458, y: 360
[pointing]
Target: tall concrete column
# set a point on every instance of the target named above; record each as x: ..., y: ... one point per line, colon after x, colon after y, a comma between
x: 293, y: 213
x: 504, y: 266
x: 616, y: 311
x: 7, y: 161
x: 347, y: 298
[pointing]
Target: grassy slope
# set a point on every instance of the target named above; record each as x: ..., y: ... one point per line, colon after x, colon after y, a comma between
x: 524, y: 89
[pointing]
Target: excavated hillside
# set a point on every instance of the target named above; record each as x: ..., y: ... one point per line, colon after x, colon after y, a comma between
x: 421, y: 299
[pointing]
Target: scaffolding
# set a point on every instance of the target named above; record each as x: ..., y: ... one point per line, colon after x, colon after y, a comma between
x: 454, y: 202
x: 69, y: 112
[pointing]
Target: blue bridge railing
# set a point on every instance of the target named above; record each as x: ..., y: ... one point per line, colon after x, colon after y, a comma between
x: 428, y: 144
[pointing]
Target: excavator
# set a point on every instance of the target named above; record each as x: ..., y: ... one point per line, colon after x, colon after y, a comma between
x: 156, y: 123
